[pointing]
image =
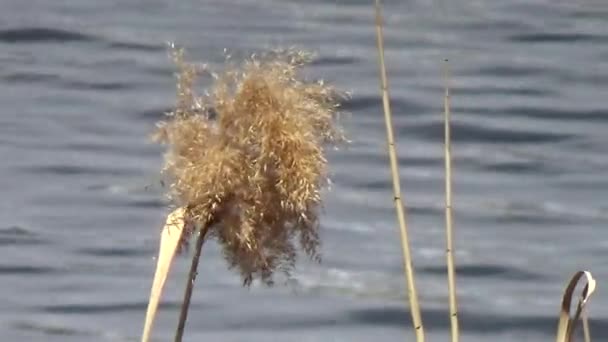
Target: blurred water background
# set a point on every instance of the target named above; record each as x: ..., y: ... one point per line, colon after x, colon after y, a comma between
x: 83, y: 82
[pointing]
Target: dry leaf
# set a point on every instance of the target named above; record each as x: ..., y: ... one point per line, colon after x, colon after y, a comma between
x: 170, y: 239
x: 565, y: 329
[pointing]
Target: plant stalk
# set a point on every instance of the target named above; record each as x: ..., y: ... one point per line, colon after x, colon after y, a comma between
x: 449, y: 251
x: 586, y: 332
x: 183, y: 316
x: 407, y: 259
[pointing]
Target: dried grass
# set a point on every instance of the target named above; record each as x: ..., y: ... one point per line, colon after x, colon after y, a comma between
x: 249, y: 157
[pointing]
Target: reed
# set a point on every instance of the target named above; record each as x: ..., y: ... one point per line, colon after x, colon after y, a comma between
x: 398, y: 202
x: 183, y: 314
x: 449, y: 250
x: 245, y: 164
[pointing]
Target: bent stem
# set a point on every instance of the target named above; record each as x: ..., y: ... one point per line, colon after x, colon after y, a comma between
x: 183, y: 316
x: 449, y: 251
x: 567, y: 324
x: 407, y: 259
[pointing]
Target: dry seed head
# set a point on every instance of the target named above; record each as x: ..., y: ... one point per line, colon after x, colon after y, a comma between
x: 256, y: 167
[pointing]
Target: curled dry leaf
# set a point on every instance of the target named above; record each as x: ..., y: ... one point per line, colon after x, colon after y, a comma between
x: 566, y: 325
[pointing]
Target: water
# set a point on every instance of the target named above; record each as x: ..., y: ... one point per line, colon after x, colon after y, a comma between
x: 82, y: 84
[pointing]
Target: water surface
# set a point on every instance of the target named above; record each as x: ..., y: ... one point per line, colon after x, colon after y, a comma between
x: 82, y: 84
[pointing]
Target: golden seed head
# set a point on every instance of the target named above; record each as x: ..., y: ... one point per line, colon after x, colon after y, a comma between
x: 249, y: 156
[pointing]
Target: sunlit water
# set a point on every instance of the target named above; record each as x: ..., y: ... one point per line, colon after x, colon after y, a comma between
x: 82, y: 84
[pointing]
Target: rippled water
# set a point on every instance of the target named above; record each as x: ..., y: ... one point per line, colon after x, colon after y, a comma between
x: 82, y: 83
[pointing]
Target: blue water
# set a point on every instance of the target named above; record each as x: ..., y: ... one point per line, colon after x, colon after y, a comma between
x: 82, y: 84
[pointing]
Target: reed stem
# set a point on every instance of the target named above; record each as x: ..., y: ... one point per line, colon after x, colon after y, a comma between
x: 183, y: 316
x: 449, y: 251
x: 586, y: 332
x: 407, y: 259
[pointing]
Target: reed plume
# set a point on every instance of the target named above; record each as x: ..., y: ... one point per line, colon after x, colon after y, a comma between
x: 246, y: 160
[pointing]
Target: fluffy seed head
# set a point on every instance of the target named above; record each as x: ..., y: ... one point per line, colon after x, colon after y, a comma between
x: 248, y: 155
